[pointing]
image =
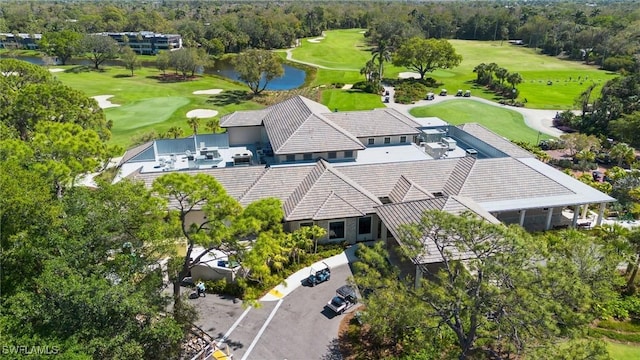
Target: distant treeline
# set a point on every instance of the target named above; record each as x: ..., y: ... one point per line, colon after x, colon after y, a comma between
x: 604, y: 33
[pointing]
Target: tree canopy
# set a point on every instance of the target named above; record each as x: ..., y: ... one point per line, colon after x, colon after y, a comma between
x: 99, y: 48
x: 61, y: 44
x: 426, y: 55
x: 257, y: 68
x: 498, y: 290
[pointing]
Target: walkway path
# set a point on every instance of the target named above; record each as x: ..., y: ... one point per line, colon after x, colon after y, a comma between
x: 290, y: 58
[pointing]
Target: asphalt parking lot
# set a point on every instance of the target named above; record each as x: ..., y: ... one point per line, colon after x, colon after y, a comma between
x: 295, y: 327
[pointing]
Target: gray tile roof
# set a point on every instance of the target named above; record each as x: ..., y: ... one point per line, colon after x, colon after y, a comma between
x: 296, y: 126
x: 395, y: 216
x: 495, y: 140
x: 405, y: 190
x: 244, y: 118
x: 132, y: 153
x: 378, y: 122
x: 508, y: 178
x: 316, y: 135
x: 325, y: 193
x: 380, y: 179
x: 459, y: 175
x: 278, y: 182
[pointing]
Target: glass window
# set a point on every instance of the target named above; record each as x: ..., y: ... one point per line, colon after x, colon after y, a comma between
x: 348, y: 154
x: 307, y: 156
x: 372, y: 141
x: 336, y: 230
x: 333, y: 155
x: 403, y: 139
x: 291, y: 158
x: 364, y: 225
x: 387, y: 140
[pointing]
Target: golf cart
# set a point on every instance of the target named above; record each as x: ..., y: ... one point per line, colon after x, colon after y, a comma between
x: 345, y: 298
x: 319, y: 274
x: 430, y: 96
x: 443, y: 92
x: 459, y: 93
x: 467, y: 93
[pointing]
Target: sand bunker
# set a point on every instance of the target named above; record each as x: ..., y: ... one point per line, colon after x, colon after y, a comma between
x: 55, y: 70
x: 409, y: 75
x: 207, y: 92
x: 316, y: 40
x: 103, y: 101
x: 347, y: 86
x: 202, y: 113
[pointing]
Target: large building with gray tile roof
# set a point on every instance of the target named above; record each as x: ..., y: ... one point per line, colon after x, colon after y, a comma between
x: 368, y: 194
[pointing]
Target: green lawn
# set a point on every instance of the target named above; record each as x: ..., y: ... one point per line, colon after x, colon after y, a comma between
x: 505, y: 122
x: 350, y: 100
x: 345, y: 52
x: 623, y: 352
x: 148, y: 104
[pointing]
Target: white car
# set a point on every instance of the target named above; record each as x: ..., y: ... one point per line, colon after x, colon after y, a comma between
x: 345, y: 298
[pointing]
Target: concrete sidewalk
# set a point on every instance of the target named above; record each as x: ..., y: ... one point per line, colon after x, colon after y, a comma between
x: 295, y: 280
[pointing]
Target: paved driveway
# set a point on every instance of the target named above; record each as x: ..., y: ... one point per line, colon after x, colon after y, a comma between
x: 297, y: 326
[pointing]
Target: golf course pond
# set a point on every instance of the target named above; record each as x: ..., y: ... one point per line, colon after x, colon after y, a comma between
x: 293, y: 77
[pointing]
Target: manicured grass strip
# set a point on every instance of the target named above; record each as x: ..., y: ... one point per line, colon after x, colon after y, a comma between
x: 626, y: 326
x: 502, y: 121
x: 623, y: 351
x: 147, y: 112
x: 350, y: 100
x: 614, y: 335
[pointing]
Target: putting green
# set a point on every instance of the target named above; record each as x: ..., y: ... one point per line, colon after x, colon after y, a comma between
x: 143, y: 113
x: 502, y: 121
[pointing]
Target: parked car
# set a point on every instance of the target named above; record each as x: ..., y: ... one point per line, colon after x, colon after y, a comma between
x: 430, y: 96
x: 319, y: 275
x: 443, y: 92
x: 345, y: 298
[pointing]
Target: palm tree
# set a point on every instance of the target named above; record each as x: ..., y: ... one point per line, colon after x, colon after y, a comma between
x: 623, y: 153
x: 368, y: 70
x: 491, y: 69
x: 381, y: 53
x: 501, y: 74
x: 194, y: 122
x: 514, y: 79
x: 175, y: 132
x: 213, y: 125
x: 481, y: 71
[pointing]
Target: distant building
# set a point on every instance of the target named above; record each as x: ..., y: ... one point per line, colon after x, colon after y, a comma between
x: 19, y: 41
x: 142, y: 42
x: 146, y: 42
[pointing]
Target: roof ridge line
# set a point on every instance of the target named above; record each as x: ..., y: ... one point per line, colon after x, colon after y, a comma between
x: 255, y: 182
x: 312, y: 177
x: 352, y: 183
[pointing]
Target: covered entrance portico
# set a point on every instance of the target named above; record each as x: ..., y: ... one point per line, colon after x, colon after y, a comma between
x: 553, y: 217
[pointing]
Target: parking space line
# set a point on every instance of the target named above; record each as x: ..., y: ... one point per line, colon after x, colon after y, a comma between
x: 262, y: 329
x: 233, y: 327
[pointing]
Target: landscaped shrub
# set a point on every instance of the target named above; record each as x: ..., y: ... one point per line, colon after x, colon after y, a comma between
x: 623, y: 308
x: 626, y: 337
x: 410, y: 91
x: 617, y: 63
x: 561, y: 163
x: 368, y: 87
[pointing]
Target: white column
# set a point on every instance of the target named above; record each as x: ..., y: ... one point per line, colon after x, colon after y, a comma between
x: 547, y: 226
x: 576, y: 213
x: 585, y: 209
x: 522, y: 214
x: 601, y: 214
x: 418, y: 277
